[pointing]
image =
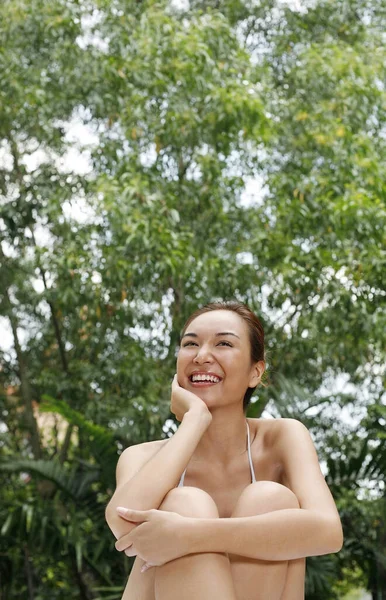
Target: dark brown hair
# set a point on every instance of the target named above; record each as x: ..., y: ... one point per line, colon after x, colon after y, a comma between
x: 255, y: 328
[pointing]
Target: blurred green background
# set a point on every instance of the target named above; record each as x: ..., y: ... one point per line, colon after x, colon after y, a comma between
x: 155, y: 156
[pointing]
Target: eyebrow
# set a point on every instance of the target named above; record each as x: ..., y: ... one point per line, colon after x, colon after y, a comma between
x: 216, y: 334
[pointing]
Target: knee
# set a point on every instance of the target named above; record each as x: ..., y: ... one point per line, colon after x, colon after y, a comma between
x: 279, y: 496
x: 265, y: 496
x: 190, y: 501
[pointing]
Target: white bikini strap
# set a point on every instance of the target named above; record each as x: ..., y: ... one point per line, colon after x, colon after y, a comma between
x: 249, y: 455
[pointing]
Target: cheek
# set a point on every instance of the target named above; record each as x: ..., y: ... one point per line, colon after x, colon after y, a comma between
x: 234, y: 367
x: 181, y: 357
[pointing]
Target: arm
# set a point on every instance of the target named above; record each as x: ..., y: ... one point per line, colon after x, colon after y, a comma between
x: 280, y: 535
x: 311, y: 530
x: 143, y: 482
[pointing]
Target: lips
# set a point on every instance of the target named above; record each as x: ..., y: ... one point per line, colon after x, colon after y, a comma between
x: 203, y: 383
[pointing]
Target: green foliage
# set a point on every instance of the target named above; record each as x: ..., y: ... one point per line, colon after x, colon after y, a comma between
x: 74, y: 484
x: 322, y: 571
x: 99, y: 440
x: 101, y: 266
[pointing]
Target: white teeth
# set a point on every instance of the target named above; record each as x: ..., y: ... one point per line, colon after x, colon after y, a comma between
x: 211, y: 378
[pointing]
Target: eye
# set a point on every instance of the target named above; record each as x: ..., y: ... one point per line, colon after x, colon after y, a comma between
x: 223, y: 342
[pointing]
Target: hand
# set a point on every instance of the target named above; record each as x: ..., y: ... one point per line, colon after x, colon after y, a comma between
x: 159, y: 536
x: 182, y: 401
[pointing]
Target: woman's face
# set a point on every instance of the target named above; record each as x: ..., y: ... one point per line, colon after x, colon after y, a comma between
x: 217, y: 342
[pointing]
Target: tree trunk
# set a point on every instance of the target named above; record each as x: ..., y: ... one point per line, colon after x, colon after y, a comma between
x: 55, y: 321
x: 24, y: 381
x: 62, y: 354
x: 28, y: 572
x: 66, y: 443
x: 84, y: 592
x: 23, y: 373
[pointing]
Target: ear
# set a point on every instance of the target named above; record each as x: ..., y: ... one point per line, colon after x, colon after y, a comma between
x: 257, y: 371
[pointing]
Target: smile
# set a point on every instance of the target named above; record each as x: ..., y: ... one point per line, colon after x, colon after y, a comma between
x: 201, y: 380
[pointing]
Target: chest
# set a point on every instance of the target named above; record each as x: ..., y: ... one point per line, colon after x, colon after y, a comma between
x: 226, y: 485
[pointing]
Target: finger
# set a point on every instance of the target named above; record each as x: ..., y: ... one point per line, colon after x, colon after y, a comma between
x: 175, y: 381
x: 132, y: 515
x: 145, y: 567
x: 123, y: 543
x: 125, y: 540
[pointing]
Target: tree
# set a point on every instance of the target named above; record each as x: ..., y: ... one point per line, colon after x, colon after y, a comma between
x: 185, y: 105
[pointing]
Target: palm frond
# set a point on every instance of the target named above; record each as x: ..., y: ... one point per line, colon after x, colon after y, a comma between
x: 73, y: 483
x: 321, y: 571
x: 101, y: 441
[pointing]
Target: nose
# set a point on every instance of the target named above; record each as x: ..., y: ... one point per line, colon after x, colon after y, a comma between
x: 202, y: 356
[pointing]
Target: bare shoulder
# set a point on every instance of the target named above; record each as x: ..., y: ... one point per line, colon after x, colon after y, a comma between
x: 277, y: 423
x: 273, y: 431
x: 134, y: 457
x: 291, y: 443
x: 291, y: 425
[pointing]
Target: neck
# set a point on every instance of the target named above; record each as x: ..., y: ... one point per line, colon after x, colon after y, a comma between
x: 225, y: 438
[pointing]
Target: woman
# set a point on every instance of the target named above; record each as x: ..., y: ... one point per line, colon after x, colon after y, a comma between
x: 251, y: 502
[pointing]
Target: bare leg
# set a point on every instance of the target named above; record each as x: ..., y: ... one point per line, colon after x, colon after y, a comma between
x: 203, y: 576
x: 266, y: 580
x: 199, y: 576
x: 296, y: 576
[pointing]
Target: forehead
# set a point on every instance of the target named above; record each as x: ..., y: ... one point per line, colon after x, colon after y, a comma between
x: 216, y: 321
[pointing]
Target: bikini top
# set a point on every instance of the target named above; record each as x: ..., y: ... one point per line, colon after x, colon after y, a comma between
x: 181, y: 483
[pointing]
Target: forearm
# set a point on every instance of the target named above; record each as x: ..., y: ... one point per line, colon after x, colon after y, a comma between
x: 147, y: 488
x: 279, y: 535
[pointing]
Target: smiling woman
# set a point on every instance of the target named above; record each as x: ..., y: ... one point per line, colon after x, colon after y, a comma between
x: 243, y: 517
x: 252, y: 331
